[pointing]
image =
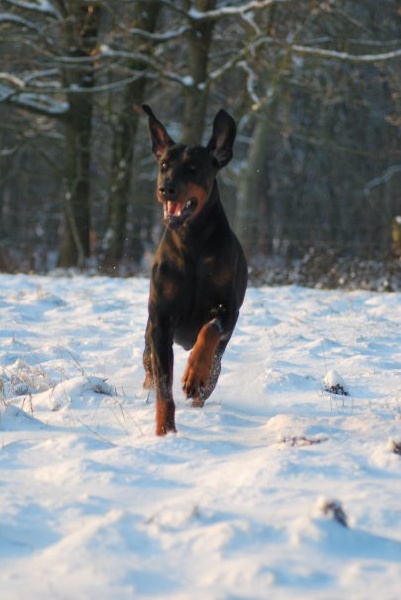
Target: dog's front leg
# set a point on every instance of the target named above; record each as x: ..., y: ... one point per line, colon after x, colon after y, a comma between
x: 162, y: 368
x: 199, y: 371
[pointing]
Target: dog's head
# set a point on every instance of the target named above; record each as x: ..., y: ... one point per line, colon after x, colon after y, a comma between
x: 187, y: 173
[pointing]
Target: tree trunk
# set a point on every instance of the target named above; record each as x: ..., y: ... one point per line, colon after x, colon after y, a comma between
x: 123, y: 146
x: 80, y: 37
x: 196, y: 94
x: 253, y: 210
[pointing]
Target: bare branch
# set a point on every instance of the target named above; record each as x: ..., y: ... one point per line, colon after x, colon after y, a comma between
x: 225, y: 11
x: 158, y: 37
x: 108, y: 53
x: 43, y: 6
x: 384, y: 178
x: 38, y: 75
x: 13, y: 79
x: 9, y: 18
x: 346, y: 56
x: 36, y: 102
x: 250, y: 81
x: 25, y: 96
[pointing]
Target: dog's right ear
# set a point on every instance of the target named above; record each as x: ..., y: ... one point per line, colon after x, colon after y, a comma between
x: 158, y: 134
x: 221, y: 143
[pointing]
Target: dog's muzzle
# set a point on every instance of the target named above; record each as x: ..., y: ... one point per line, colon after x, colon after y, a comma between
x: 176, y: 213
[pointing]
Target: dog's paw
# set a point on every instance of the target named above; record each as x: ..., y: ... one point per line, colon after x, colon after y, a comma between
x: 198, y: 402
x: 193, y: 382
x: 163, y: 429
x: 190, y: 383
x: 165, y: 422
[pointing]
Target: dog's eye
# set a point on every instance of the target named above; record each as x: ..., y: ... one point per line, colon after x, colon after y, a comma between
x: 192, y: 167
x: 163, y: 166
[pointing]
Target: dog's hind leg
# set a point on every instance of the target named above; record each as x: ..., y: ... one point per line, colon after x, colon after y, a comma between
x: 149, y: 383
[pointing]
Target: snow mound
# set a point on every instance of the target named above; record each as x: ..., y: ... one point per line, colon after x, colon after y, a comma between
x: 73, y: 393
x: 335, y: 384
x: 13, y: 418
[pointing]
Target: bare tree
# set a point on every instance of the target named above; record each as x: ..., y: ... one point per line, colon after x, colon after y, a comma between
x: 79, y: 41
x: 315, y: 137
x: 124, y: 130
x: 199, y: 39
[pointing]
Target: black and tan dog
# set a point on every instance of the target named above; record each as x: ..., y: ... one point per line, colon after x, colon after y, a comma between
x: 199, y: 275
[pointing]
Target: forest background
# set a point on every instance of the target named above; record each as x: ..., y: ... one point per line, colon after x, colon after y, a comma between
x: 313, y: 191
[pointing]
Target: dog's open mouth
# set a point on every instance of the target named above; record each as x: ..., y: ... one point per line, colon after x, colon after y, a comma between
x: 175, y: 213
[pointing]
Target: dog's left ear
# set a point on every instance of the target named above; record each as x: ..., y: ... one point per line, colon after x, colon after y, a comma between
x: 221, y: 143
x: 159, y: 136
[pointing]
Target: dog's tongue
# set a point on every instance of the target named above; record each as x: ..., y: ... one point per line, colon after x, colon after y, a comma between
x: 173, y: 209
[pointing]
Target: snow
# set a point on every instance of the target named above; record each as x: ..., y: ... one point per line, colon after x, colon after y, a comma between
x: 187, y: 81
x: 335, y: 383
x: 276, y: 488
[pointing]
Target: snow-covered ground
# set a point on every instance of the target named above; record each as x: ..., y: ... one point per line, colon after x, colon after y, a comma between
x: 278, y: 488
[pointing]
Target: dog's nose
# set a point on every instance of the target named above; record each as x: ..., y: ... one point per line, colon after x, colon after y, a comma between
x: 167, y: 191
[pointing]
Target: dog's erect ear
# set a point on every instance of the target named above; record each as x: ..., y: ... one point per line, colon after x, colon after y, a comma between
x: 159, y: 136
x: 222, y: 140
